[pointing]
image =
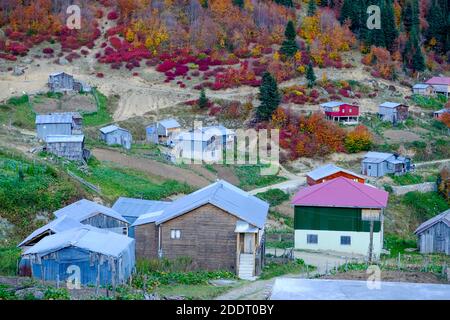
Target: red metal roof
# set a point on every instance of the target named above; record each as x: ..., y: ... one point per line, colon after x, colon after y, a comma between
x: 341, y: 192
x: 439, y: 80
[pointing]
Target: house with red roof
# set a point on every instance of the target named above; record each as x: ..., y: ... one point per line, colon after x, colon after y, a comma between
x: 334, y: 216
x: 440, y: 85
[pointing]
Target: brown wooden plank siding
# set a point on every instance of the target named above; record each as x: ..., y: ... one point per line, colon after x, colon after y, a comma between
x: 310, y: 181
x: 207, y: 236
x: 146, y: 237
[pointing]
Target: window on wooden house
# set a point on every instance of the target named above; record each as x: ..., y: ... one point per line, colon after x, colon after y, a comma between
x: 175, y: 234
x: 312, y: 238
x: 346, y: 240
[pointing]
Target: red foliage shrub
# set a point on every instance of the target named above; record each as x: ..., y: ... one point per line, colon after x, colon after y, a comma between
x: 16, y: 49
x: 48, y: 50
x: 344, y: 93
x: 113, y: 15
x: 195, y: 73
x: 314, y: 94
x: 115, y: 42
x: 165, y: 66
x: 99, y: 14
x: 8, y: 57
x: 100, y: 75
x: 84, y: 52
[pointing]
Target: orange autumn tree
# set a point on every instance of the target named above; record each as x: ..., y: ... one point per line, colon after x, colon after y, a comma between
x: 360, y: 139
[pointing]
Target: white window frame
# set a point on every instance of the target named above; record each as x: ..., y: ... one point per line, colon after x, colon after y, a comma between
x: 175, y: 234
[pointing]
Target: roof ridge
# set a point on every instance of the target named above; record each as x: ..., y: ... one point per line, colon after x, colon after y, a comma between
x: 362, y: 190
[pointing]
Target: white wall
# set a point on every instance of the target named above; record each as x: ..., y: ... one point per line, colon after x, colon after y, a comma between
x: 331, y: 241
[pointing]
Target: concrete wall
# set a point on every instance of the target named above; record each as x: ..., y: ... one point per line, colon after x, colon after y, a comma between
x: 331, y: 241
x: 421, y: 187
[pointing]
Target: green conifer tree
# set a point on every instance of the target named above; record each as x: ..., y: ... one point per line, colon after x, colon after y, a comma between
x: 269, y: 96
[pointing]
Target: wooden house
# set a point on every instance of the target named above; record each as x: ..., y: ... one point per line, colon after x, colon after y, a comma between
x: 393, y: 112
x: 378, y: 164
x: 131, y: 209
x: 434, y: 234
x: 60, y: 82
x: 441, y: 85
x: 91, y: 213
x: 67, y: 123
x: 330, y: 216
x: 98, y: 257
x: 204, y: 144
x: 67, y: 146
x: 330, y: 172
x: 438, y: 114
x: 218, y: 227
x: 423, y: 89
x: 114, y: 135
x: 341, y: 111
x: 163, y: 131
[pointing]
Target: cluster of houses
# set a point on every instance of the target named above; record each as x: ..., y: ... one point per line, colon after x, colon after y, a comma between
x: 435, y: 85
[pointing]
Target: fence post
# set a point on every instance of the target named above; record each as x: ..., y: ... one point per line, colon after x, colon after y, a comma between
x: 399, y: 261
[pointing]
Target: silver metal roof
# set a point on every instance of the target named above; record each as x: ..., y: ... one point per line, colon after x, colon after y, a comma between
x: 443, y: 217
x: 327, y: 170
x: 169, y: 123
x: 64, y: 138
x: 390, y: 104
x: 130, y: 207
x: 111, y: 128
x: 421, y: 86
x: 54, y: 118
x: 332, y: 104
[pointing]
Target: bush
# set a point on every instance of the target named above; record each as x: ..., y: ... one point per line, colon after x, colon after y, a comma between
x: 113, y: 15
x: 8, y: 261
x: 425, y: 205
x: 18, y: 100
x: 273, y: 196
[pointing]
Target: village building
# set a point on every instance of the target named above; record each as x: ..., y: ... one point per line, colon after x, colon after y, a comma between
x: 341, y: 111
x: 439, y: 113
x: 163, y: 131
x: 67, y: 146
x: 63, y: 82
x: 378, y: 164
x: 434, y: 234
x: 114, y: 135
x: 331, y: 216
x: 423, y: 89
x: 67, y: 123
x: 329, y: 172
x: 441, y: 85
x: 101, y: 257
x: 94, y: 214
x: 131, y: 209
x: 393, y: 112
x: 218, y: 227
x: 204, y: 144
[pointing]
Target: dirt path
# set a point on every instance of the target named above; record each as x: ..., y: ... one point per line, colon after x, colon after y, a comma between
x: 152, y: 167
x: 427, y: 163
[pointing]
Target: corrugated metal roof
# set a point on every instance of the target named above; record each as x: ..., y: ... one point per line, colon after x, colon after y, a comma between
x: 443, y: 217
x: 332, y: 104
x: 378, y: 155
x: 87, y: 238
x: 147, y: 218
x: 390, y: 104
x: 326, y: 170
x: 111, y: 128
x: 169, y: 123
x: 54, y: 118
x: 222, y: 195
x: 130, y: 207
x: 84, y: 209
x: 439, y: 81
x: 59, y: 73
x: 64, y: 138
x: 58, y: 225
x: 442, y: 111
x: 205, y: 133
x: 342, y: 193
x: 421, y: 86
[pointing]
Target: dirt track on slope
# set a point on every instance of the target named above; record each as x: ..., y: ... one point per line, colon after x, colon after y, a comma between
x: 152, y: 167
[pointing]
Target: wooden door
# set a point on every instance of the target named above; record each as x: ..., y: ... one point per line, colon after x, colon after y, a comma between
x: 249, y: 242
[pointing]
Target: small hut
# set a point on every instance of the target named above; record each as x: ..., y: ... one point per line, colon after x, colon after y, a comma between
x: 423, y: 89
x: 393, y: 112
x: 60, y: 82
x: 434, y: 234
x: 114, y: 135
x: 83, y: 256
x: 67, y: 146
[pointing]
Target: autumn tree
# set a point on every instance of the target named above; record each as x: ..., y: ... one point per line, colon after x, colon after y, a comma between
x: 310, y: 75
x: 289, y: 46
x: 269, y: 96
x: 358, y: 140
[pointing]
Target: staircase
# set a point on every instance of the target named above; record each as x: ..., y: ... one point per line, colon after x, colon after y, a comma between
x: 246, y: 266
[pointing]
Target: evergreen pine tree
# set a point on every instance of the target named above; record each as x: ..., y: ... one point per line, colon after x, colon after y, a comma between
x: 269, y: 96
x: 202, y: 100
x: 437, y: 28
x: 289, y: 46
x: 388, y: 24
x: 312, y: 7
x: 239, y: 3
x: 286, y: 3
x: 310, y: 75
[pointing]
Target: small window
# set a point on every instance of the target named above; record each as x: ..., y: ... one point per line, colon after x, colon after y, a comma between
x: 370, y: 167
x: 346, y: 240
x: 312, y: 238
x: 175, y: 234
x: 350, y: 110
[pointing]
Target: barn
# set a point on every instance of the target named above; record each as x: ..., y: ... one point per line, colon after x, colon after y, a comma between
x: 434, y: 234
x: 330, y: 216
x: 393, y: 112
x: 54, y: 124
x: 96, y: 215
x: 114, y: 135
x: 329, y: 172
x: 219, y: 227
x: 84, y: 255
x: 60, y: 82
x: 341, y: 111
x: 131, y: 209
x: 67, y: 146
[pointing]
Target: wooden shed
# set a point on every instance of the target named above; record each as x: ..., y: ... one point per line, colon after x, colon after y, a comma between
x: 393, y: 112
x: 65, y: 123
x: 114, y: 135
x: 423, y: 89
x: 60, y: 82
x: 67, y: 146
x: 434, y: 234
